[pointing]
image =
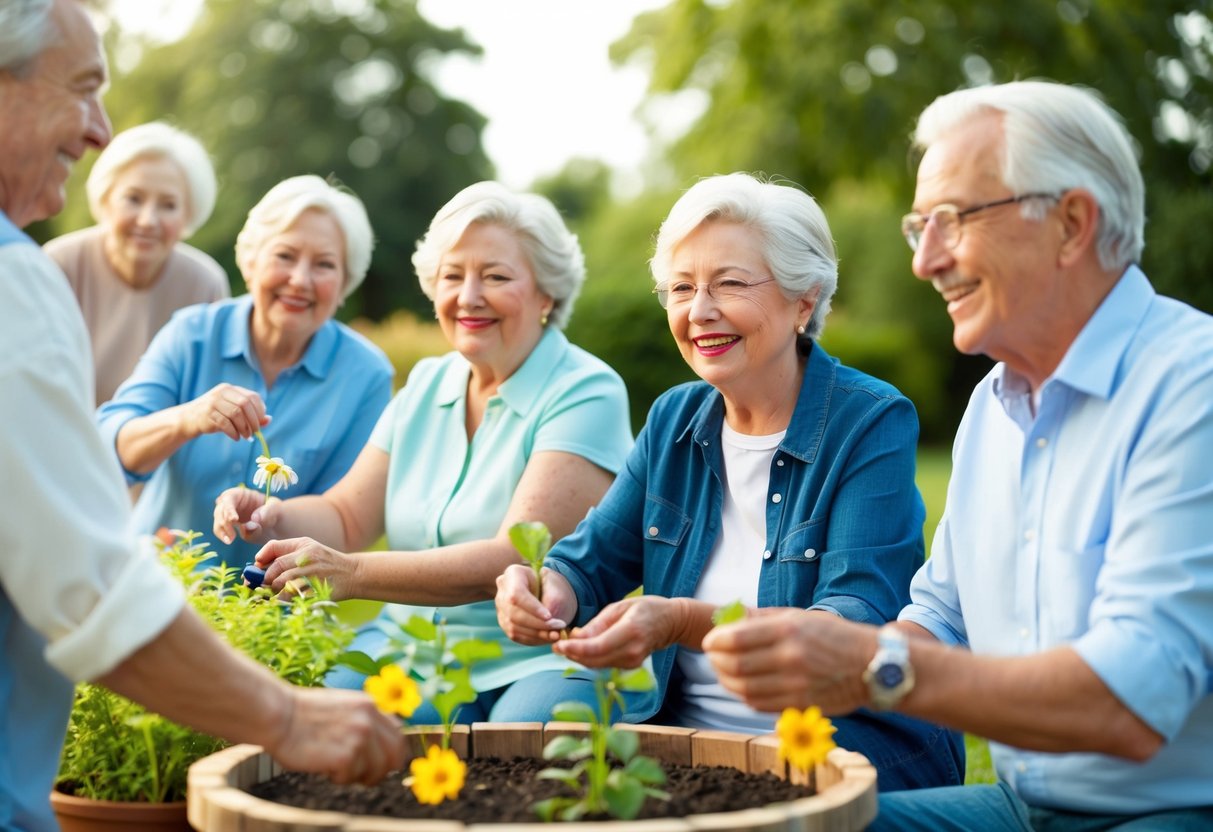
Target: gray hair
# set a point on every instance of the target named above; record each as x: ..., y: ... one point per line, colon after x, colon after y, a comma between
x: 286, y: 201
x: 150, y: 141
x: 1057, y: 137
x: 26, y: 29
x: 796, y: 241
x: 553, y: 251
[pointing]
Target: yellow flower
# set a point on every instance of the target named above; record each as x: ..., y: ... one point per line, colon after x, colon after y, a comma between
x: 437, y: 776
x: 805, y: 737
x: 393, y: 692
x: 273, y: 474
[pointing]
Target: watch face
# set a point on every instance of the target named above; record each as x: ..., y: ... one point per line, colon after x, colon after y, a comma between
x: 890, y: 675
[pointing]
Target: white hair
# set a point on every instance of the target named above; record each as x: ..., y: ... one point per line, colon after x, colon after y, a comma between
x: 1057, y: 137
x: 26, y: 29
x: 796, y: 242
x: 286, y: 201
x: 553, y: 251
x: 157, y: 140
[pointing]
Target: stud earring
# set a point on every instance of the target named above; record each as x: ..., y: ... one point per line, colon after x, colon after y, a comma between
x: 543, y: 319
x: 800, y: 329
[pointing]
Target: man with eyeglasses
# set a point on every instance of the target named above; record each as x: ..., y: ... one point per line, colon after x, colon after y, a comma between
x: 1065, y: 611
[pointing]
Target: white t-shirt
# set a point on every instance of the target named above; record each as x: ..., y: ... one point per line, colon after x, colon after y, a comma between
x: 731, y: 574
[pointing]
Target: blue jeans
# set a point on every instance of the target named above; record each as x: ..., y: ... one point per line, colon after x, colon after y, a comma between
x: 908, y: 753
x: 529, y: 699
x: 995, y: 808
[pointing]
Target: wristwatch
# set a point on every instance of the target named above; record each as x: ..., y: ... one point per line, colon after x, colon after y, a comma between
x: 889, y: 675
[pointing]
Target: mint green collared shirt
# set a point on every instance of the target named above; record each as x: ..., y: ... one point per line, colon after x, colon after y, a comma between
x: 443, y: 489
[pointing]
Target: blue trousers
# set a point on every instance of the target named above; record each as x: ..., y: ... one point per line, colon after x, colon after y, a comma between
x: 995, y: 808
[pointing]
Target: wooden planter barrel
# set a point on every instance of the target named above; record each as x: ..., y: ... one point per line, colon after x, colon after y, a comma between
x: 845, y: 799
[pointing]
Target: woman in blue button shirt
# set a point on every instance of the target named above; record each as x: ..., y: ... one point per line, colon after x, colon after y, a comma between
x: 783, y: 478
x: 273, y: 360
x: 515, y: 424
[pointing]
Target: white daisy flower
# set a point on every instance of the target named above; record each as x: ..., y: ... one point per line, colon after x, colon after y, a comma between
x: 275, y: 472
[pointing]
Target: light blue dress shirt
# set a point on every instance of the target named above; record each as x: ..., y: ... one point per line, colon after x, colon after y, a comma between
x: 443, y: 489
x: 1091, y: 525
x: 323, y: 409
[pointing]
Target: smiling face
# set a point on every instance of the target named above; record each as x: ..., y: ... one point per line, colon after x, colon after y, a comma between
x: 747, y: 344
x: 52, y: 115
x: 487, y: 301
x: 1000, y: 281
x: 296, y: 279
x: 143, y: 214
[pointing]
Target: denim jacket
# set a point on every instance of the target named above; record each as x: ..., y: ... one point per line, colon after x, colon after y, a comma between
x: 844, y: 517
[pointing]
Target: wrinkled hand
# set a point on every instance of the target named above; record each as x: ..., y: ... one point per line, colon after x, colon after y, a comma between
x: 792, y: 658
x: 236, y: 412
x: 290, y: 565
x: 521, y: 615
x: 244, y: 511
x: 625, y: 633
x: 339, y: 733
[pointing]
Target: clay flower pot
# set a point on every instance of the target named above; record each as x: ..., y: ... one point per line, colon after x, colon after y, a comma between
x: 845, y: 799
x: 83, y: 814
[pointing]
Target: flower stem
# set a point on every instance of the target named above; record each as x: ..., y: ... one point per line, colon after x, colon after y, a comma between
x: 265, y: 449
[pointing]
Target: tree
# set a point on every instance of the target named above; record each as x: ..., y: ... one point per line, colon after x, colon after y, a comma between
x: 275, y: 89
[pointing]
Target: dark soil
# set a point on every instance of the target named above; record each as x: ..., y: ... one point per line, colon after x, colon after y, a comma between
x: 502, y: 791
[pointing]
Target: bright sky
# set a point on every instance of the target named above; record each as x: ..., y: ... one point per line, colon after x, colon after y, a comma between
x: 545, y: 80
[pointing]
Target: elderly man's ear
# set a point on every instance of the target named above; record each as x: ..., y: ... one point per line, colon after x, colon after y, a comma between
x: 1079, y: 216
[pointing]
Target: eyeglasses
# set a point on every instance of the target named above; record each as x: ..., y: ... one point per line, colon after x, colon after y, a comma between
x: 948, y: 220
x: 720, y: 289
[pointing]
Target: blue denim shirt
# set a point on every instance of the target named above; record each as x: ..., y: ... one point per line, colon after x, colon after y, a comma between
x: 844, y: 517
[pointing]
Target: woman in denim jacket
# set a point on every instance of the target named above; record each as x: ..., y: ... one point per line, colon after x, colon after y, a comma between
x: 783, y: 479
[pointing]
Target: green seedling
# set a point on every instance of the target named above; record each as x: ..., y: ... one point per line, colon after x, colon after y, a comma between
x: 734, y: 611
x: 533, y: 541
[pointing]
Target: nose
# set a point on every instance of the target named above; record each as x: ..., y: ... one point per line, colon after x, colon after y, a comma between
x: 931, y: 257
x: 98, y: 131
x: 471, y: 292
x: 703, y: 306
x: 301, y: 271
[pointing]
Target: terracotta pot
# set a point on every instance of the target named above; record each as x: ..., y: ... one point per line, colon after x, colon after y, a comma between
x: 845, y: 799
x: 83, y: 814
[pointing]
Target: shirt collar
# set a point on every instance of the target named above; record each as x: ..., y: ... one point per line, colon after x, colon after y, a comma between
x: 522, y: 389
x: 1090, y: 364
x: 236, y: 341
x: 803, y: 437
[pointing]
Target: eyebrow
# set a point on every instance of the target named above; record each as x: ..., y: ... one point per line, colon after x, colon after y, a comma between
x: 719, y: 271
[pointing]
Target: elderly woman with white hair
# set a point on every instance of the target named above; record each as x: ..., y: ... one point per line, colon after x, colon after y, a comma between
x: 782, y: 479
x: 516, y: 424
x: 273, y: 360
x: 151, y: 188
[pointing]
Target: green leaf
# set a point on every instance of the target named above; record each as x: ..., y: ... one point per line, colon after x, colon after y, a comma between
x: 624, y: 796
x: 734, y: 611
x: 547, y: 809
x: 635, y: 680
x: 422, y: 629
x: 359, y: 662
x: 472, y: 650
x: 573, y: 711
x: 623, y: 744
x: 646, y: 770
x: 563, y: 775
x: 532, y: 540
x: 565, y: 747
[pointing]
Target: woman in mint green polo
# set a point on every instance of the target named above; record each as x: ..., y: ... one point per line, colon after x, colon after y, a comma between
x: 515, y: 424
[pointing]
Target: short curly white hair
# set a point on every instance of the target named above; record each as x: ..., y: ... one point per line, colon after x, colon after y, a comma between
x: 553, y: 251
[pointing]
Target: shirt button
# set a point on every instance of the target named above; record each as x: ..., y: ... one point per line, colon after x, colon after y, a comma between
x: 775, y: 498
x: 653, y: 531
x: 1023, y: 632
x: 779, y: 462
x: 1041, y: 442
x: 1030, y: 534
x: 705, y: 443
x: 810, y: 553
x: 766, y: 555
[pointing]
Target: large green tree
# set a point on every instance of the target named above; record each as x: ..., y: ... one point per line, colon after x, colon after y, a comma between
x: 276, y: 88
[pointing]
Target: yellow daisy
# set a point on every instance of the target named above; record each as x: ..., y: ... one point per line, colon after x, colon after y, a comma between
x: 393, y: 691
x: 805, y: 737
x: 437, y: 776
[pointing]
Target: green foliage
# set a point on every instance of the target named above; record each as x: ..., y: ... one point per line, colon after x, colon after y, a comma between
x: 117, y: 750
x: 441, y: 668
x: 604, y: 789
x: 532, y: 540
x: 730, y: 612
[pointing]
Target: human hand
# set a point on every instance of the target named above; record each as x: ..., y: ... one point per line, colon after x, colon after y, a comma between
x: 290, y: 564
x: 246, y: 512
x: 520, y: 613
x: 792, y: 658
x: 236, y: 412
x: 339, y: 733
x: 625, y: 633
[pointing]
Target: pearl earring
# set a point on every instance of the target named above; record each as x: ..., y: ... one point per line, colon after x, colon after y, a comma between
x: 800, y: 330
x: 543, y: 319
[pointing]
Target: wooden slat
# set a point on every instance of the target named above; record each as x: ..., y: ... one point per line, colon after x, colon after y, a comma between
x: 720, y: 748
x: 764, y: 756
x: 664, y: 743
x: 507, y: 739
x: 749, y: 820
x: 417, y: 738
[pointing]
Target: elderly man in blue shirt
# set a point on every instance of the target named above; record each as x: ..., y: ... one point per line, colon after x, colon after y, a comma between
x: 1064, y: 612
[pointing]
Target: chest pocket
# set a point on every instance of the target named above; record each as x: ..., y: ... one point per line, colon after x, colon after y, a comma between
x: 664, y: 522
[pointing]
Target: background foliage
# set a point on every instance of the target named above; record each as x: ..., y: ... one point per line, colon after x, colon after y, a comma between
x: 822, y: 93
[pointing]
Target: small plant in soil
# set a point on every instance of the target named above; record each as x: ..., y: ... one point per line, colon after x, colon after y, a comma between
x: 532, y: 540
x: 604, y: 789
